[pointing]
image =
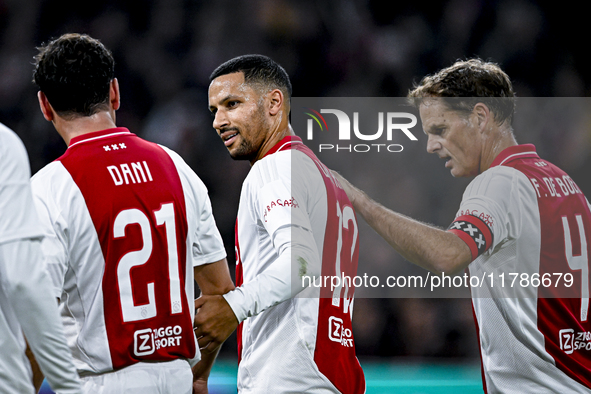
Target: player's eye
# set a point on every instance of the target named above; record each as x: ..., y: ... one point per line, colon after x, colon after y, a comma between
x: 232, y: 103
x: 437, y: 130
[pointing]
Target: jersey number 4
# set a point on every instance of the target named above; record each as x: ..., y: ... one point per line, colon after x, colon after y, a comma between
x: 580, y: 262
x: 164, y: 216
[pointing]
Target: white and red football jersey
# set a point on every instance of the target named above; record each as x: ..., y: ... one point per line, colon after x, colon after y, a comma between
x: 125, y: 221
x: 530, y: 225
x: 295, y: 221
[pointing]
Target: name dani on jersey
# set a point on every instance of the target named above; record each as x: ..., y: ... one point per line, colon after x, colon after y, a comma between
x: 126, y: 173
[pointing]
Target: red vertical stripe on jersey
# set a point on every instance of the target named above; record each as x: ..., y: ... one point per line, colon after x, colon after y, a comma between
x: 239, y: 281
x: 119, y: 173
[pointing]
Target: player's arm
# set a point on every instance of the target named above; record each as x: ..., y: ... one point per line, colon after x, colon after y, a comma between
x: 213, y: 280
x: 35, y: 368
x: 289, y: 228
x: 28, y: 284
x: 432, y: 248
x: 23, y: 273
x: 280, y: 205
x: 37, y: 374
x: 297, y: 256
x: 216, y: 322
x: 219, y: 316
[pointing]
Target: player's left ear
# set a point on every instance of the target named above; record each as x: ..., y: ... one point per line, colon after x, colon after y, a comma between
x: 275, y: 101
x: 114, y: 95
x: 483, y: 115
x: 46, y: 108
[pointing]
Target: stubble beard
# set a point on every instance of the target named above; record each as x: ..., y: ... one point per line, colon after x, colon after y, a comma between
x: 244, y: 152
x: 249, y: 149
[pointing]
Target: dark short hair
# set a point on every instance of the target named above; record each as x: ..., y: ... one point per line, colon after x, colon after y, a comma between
x: 257, y: 69
x: 466, y: 83
x: 74, y: 72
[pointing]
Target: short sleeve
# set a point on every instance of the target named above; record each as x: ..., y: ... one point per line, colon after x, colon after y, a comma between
x: 484, y: 219
x: 207, y: 246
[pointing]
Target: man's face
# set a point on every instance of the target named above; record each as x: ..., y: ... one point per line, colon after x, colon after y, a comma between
x: 238, y: 114
x: 453, y: 137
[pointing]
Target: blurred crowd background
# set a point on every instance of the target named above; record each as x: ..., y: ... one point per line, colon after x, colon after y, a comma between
x: 166, y: 49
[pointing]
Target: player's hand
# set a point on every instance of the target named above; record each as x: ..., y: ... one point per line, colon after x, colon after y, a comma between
x: 200, y: 386
x: 214, y: 322
x: 351, y: 190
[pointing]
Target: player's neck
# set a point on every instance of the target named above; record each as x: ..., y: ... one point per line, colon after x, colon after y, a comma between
x: 70, y: 128
x: 274, y: 137
x: 503, y: 139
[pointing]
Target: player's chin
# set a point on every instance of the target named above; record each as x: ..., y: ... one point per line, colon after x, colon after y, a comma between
x: 234, y: 150
x: 238, y: 154
x: 234, y: 155
x: 456, y: 171
x: 459, y: 172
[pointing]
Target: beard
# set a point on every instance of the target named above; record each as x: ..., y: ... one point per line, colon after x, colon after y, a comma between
x: 245, y: 151
x: 251, y: 137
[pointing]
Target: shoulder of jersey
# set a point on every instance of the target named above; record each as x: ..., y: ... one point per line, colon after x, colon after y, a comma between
x: 184, y: 169
x: 13, y: 157
x: 5, y: 132
x: 285, y: 158
x: 498, y: 181
x: 291, y: 165
x: 497, y: 172
x: 10, y: 141
x: 48, y: 173
x: 171, y: 153
x: 176, y: 158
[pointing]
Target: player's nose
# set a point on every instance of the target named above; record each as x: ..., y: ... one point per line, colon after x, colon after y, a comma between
x: 432, y: 144
x: 220, y: 120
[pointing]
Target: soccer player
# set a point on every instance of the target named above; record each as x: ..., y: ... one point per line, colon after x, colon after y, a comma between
x: 128, y: 226
x: 24, y: 285
x: 520, y: 215
x: 294, y: 222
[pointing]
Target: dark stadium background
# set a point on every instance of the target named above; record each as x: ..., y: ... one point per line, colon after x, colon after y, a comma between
x: 166, y: 49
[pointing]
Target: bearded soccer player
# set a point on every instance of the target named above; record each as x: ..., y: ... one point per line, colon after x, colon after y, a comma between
x: 521, y: 215
x: 24, y: 285
x: 294, y: 221
x: 128, y: 226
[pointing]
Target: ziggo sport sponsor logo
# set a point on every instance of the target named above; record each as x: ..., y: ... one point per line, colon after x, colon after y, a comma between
x: 148, y: 340
x: 337, y: 332
x: 571, y: 340
x: 392, y: 125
